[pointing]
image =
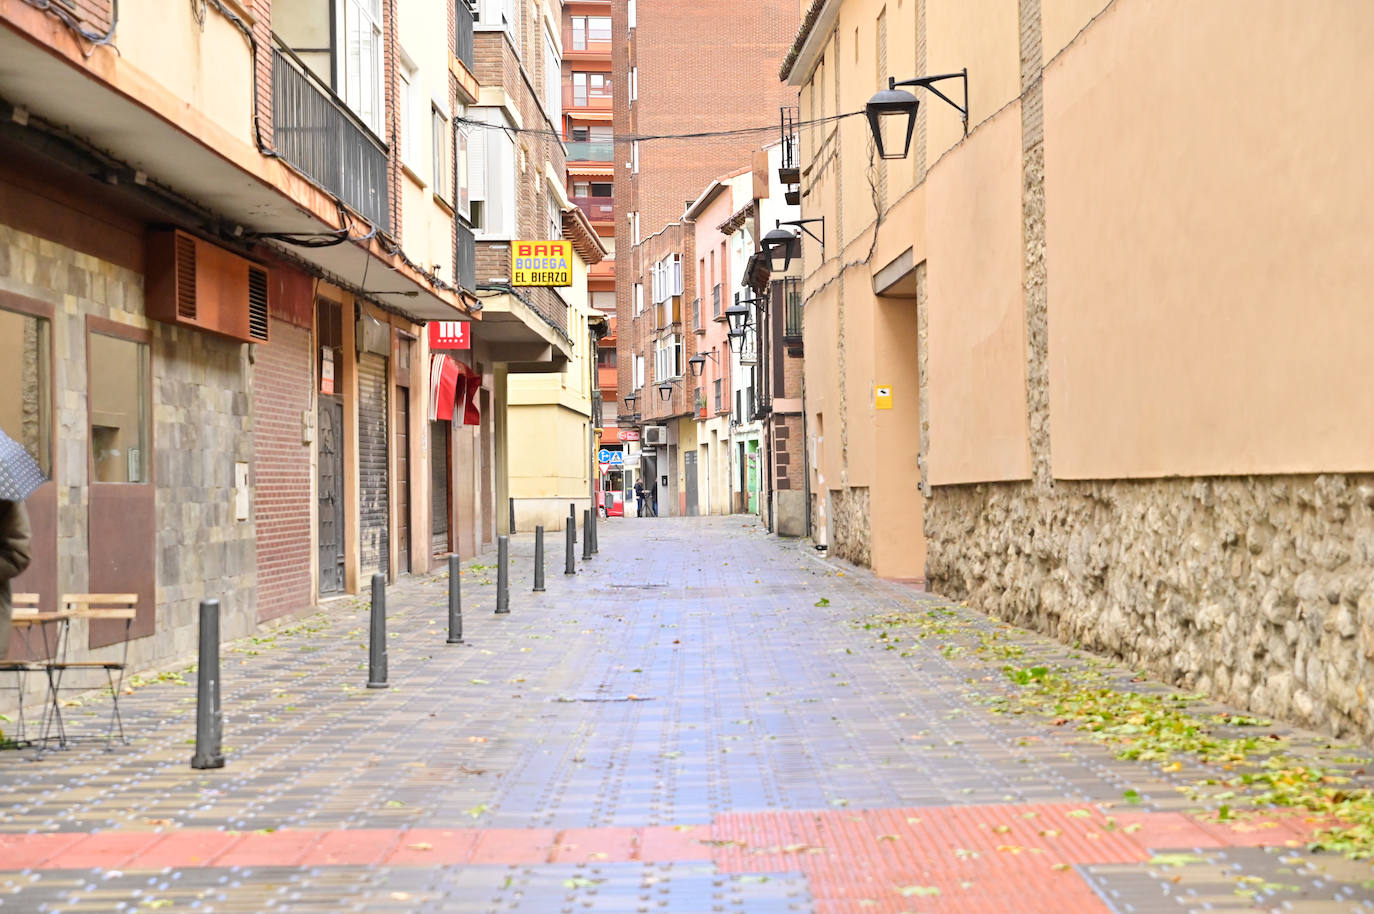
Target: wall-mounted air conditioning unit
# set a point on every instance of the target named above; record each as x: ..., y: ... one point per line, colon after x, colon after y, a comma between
x: 193, y: 283
x: 656, y: 435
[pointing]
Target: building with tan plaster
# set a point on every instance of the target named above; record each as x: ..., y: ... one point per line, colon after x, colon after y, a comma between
x: 1120, y: 325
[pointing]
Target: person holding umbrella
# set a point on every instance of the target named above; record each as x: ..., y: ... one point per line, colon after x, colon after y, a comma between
x: 19, y: 476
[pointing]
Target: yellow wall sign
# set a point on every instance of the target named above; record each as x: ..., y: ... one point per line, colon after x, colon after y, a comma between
x: 541, y: 263
x: 882, y: 397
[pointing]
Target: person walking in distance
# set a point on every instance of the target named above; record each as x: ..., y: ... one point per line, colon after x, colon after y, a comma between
x: 15, y: 553
x: 639, y: 498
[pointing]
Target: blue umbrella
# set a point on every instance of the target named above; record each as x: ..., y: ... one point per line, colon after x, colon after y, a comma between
x: 19, y: 473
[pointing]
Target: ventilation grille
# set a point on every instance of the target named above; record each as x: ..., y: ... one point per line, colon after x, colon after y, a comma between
x: 257, y: 304
x: 186, y: 277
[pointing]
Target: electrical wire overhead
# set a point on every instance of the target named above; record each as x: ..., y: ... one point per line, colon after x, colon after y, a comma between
x: 645, y: 137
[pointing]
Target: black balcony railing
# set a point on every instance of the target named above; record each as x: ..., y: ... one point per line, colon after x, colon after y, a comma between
x: 463, y: 16
x: 792, y: 321
x: 465, y: 257
x: 315, y: 131
x: 715, y: 300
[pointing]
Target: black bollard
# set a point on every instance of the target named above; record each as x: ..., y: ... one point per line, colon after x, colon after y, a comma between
x: 572, y: 520
x: 586, y: 535
x: 376, y: 652
x: 539, y: 558
x: 570, y: 560
x: 209, y: 720
x: 502, y: 574
x: 455, y: 601
x: 511, y: 530
x: 596, y: 523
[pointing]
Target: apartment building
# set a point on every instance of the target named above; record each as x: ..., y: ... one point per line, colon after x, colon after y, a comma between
x: 657, y: 179
x: 240, y: 324
x: 1091, y: 351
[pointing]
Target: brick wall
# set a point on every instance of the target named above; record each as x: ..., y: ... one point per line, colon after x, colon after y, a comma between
x: 262, y: 34
x: 282, y: 382
x: 726, y: 77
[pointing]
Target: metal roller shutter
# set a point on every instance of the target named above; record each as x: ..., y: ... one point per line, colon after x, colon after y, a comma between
x: 438, y: 487
x: 372, y: 454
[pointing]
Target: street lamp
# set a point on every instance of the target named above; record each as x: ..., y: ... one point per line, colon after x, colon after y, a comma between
x: 782, y: 242
x: 733, y: 337
x: 738, y: 315
x: 893, y: 108
x: 630, y: 402
x: 665, y: 390
x: 698, y: 361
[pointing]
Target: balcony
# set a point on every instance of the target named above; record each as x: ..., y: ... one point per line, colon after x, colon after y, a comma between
x: 792, y: 320
x: 586, y: 99
x: 607, y: 377
x: 463, y: 16
x: 317, y: 133
x: 598, y: 209
x: 594, y: 151
x: 465, y: 257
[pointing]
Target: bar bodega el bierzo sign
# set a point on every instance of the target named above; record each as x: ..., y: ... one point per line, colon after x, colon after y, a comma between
x: 541, y: 263
x: 450, y: 335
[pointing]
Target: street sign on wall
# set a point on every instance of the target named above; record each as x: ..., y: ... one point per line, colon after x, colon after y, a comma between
x: 450, y: 335
x: 541, y: 263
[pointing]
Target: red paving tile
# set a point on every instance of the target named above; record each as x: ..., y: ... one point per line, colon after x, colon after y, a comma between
x: 20, y: 852
x: 353, y: 847
x: 279, y: 848
x: 513, y: 845
x: 184, y: 848
x: 593, y: 845
x: 434, y: 847
x: 675, y: 843
x: 104, y: 850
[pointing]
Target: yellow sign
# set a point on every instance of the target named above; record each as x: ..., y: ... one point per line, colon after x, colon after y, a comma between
x: 882, y: 397
x: 541, y: 263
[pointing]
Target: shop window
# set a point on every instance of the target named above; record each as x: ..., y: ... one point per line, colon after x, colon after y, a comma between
x: 26, y: 384
x: 119, y: 409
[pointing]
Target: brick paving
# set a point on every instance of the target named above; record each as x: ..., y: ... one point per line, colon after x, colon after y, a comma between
x: 692, y: 723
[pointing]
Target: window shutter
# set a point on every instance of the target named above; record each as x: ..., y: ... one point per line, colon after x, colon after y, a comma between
x: 477, y: 161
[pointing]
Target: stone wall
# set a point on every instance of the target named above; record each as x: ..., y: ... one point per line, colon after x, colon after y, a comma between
x: 850, y: 534
x: 1259, y: 590
x: 201, y: 427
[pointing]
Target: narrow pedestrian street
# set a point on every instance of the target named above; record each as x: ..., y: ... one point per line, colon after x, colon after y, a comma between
x: 704, y: 718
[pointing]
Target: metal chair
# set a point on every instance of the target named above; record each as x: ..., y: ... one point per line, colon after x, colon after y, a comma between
x: 98, y: 606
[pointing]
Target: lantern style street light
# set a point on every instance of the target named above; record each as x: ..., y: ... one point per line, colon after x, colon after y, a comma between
x: 738, y: 315
x: 892, y: 112
x: 630, y: 401
x: 698, y: 361
x: 665, y: 390
x: 781, y: 241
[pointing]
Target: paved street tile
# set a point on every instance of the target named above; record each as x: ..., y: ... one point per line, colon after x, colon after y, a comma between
x: 703, y: 719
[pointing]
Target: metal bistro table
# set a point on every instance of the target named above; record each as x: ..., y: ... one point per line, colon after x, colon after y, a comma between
x: 51, y: 628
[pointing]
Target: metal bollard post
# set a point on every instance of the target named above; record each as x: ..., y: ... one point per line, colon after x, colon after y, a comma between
x: 376, y: 653
x: 455, y: 601
x: 511, y: 529
x: 596, y: 524
x: 586, y: 535
x: 570, y: 561
x: 539, y: 558
x: 209, y: 720
x: 502, y: 574
x: 572, y: 520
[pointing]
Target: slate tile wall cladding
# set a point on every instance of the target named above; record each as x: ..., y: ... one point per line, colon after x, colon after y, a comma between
x: 202, y: 424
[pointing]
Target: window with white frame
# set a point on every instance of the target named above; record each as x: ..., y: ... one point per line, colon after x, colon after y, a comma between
x: 634, y: 157
x: 412, y: 114
x: 634, y: 227
x: 555, y: 214
x: 553, y: 80
x: 631, y: 13
x: 491, y: 174
x: 462, y: 165
x: 667, y: 277
x: 634, y: 84
x: 639, y: 372
x: 590, y: 29
x: 361, y: 62
x: 639, y: 298
x: 668, y: 357
x: 442, y: 144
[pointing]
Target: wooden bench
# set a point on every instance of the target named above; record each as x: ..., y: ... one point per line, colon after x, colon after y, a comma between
x: 95, y: 607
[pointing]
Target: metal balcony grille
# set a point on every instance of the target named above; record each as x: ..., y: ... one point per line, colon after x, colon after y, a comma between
x: 463, y: 16
x: 316, y: 132
x: 465, y: 256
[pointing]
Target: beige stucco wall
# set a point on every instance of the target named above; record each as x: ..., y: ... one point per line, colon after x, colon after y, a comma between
x: 1209, y: 284
x: 1061, y: 20
x: 983, y: 37
x: 979, y: 429
x: 210, y: 68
